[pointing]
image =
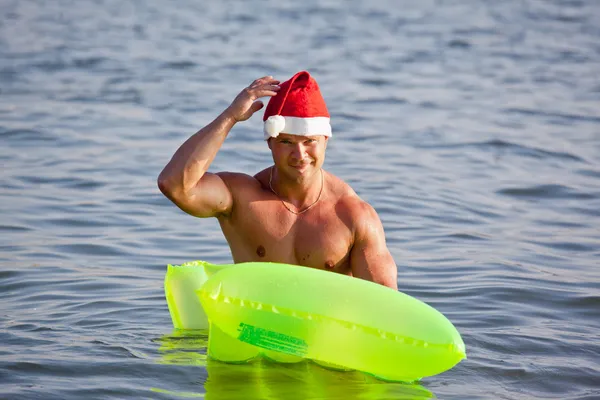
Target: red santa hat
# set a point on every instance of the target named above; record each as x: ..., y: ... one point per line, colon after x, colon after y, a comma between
x: 297, y: 109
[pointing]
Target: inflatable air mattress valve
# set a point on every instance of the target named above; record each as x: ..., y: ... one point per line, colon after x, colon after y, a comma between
x: 290, y: 313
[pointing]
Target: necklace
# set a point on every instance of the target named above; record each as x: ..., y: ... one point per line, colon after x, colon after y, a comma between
x: 285, y: 205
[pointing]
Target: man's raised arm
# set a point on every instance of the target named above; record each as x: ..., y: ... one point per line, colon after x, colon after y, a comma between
x: 184, y: 179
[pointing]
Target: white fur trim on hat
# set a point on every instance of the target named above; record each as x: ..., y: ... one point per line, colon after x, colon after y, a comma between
x: 313, y: 126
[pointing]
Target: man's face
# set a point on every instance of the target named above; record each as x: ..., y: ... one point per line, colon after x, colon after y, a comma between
x: 298, y: 156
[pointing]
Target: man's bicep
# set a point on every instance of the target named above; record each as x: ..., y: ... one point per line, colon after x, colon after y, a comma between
x: 211, y: 197
x: 370, y: 258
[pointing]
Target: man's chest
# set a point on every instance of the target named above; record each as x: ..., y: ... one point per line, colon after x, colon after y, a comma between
x: 318, y: 238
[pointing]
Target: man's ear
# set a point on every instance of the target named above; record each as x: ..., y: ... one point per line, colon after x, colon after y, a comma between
x: 269, y: 143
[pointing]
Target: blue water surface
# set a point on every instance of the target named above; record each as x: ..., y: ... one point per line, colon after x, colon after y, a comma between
x: 473, y: 127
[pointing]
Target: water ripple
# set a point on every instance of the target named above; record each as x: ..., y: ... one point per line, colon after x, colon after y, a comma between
x: 566, y: 116
x: 544, y: 192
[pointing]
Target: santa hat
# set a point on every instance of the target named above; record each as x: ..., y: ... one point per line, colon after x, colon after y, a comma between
x: 297, y: 109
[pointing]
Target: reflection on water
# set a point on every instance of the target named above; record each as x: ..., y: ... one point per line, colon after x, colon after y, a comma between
x: 184, y: 348
x: 263, y: 379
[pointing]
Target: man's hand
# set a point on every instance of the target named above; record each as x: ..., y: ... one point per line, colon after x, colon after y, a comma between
x: 246, y: 103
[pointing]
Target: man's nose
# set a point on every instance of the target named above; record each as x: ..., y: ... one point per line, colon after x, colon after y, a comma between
x: 298, y: 151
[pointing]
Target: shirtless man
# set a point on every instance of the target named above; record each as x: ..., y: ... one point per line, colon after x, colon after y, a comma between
x: 293, y: 212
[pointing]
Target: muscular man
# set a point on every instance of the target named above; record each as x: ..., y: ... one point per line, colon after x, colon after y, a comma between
x: 292, y: 212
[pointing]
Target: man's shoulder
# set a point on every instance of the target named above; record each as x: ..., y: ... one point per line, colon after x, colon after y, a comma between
x: 237, y: 181
x: 349, y: 202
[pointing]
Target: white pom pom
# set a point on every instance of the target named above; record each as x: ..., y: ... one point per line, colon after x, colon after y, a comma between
x: 274, y: 125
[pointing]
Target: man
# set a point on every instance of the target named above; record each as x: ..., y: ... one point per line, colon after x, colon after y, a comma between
x: 293, y: 212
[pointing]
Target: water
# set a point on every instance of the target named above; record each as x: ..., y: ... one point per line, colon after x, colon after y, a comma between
x: 473, y: 127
